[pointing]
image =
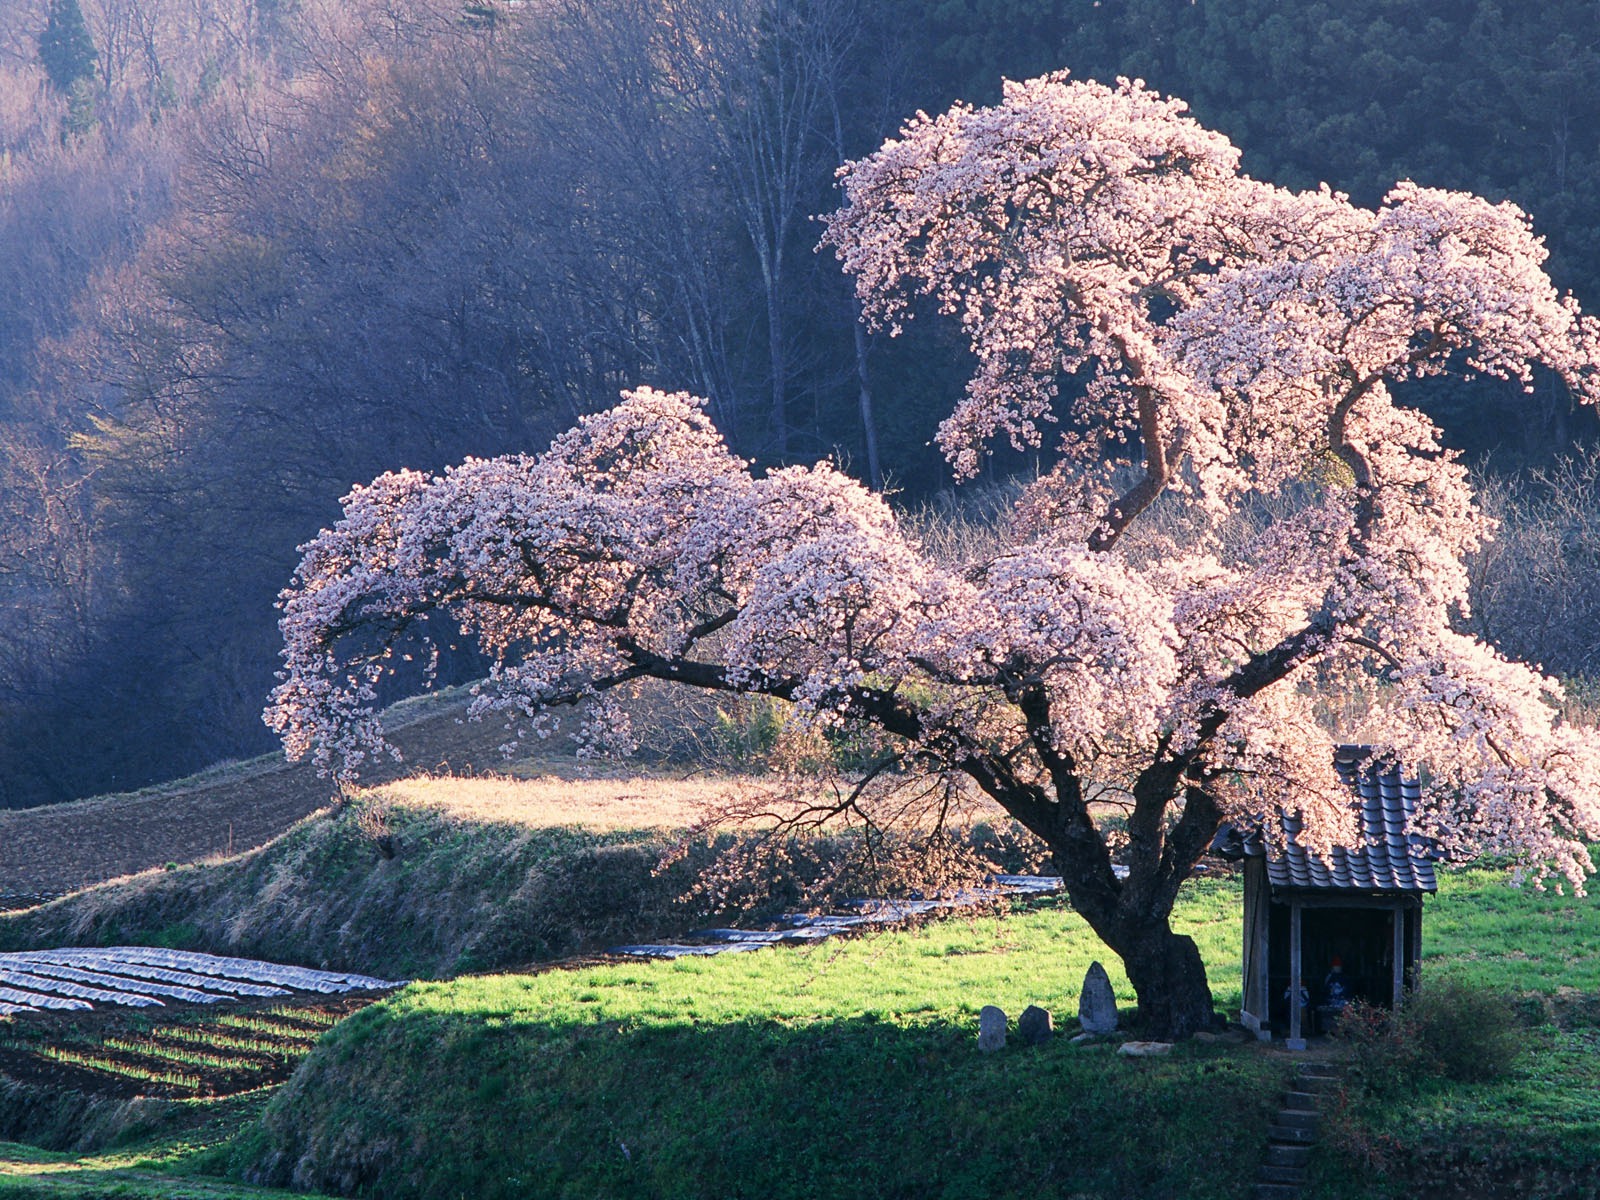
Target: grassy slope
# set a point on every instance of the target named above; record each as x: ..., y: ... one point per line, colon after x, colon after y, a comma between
x: 408, y: 883
x: 843, y: 1069
x: 851, y: 1069
x: 850, y: 1062
x: 839, y: 1070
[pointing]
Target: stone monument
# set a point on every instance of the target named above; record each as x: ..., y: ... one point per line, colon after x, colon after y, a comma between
x: 1035, y: 1025
x: 991, y: 1029
x: 1097, y: 1003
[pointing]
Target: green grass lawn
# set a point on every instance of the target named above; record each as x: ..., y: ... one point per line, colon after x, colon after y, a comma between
x: 844, y: 1069
x: 1513, y: 939
x: 851, y: 1068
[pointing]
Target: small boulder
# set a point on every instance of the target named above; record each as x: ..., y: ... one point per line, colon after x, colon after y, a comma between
x: 1097, y: 1003
x: 1035, y: 1025
x: 1227, y: 1036
x: 991, y: 1029
x: 1144, y: 1049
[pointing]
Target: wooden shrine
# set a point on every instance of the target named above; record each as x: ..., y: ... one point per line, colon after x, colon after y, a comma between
x: 1359, y: 911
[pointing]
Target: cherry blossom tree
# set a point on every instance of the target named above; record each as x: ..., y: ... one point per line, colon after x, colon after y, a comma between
x: 1216, y: 356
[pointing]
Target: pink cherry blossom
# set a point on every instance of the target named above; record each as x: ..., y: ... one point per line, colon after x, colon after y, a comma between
x: 1165, y: 622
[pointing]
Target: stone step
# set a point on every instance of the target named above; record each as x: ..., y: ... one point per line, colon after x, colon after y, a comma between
x: 1280, y: 1155
x: 1291, y: 1135
x: 1291, y: 1175
x: 1316, y: 1084
x: 1315, y: 1070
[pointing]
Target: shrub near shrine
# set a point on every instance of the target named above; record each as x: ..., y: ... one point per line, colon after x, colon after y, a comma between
x: 1234, y: 347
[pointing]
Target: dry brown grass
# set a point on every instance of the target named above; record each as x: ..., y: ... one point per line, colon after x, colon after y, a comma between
x: 600, y: 805
x: 450, y: 765
x: 234, y: 808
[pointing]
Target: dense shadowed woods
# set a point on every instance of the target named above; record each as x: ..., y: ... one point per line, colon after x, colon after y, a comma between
x: 254, y: 251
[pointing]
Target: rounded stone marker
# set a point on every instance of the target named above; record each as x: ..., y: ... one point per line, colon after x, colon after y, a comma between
x: 991, y: 1029
x: 1035, y: 1025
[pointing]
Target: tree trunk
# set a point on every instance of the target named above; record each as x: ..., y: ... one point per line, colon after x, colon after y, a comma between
x: 1169, y: 980
x: 777, y: 363
x: 1165, y: 968
x: 864, y: 400
x: 1133, y: 915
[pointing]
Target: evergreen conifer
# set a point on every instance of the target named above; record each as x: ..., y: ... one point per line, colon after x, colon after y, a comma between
x: 65, y: 47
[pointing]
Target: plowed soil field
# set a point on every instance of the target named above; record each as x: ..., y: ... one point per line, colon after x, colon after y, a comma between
x: 63, y: 847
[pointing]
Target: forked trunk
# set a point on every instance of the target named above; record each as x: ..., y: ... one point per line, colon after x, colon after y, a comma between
x: 1169, y: 980
x: 1165, y: 968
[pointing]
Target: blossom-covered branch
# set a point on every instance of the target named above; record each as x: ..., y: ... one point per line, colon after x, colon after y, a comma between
x: 1225, y: 345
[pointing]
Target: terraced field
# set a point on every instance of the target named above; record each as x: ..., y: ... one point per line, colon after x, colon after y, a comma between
x: 183, y: 1054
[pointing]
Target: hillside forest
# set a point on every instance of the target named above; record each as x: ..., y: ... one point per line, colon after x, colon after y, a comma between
x: 255, y: 251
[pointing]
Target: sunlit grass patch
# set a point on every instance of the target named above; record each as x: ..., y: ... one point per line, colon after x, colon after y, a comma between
x: 1508, y: 938
x: 26, y: 1171
x: 843, y: 1069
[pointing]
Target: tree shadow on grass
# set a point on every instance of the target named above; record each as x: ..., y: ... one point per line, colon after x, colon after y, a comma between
x: 440, y: 1104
